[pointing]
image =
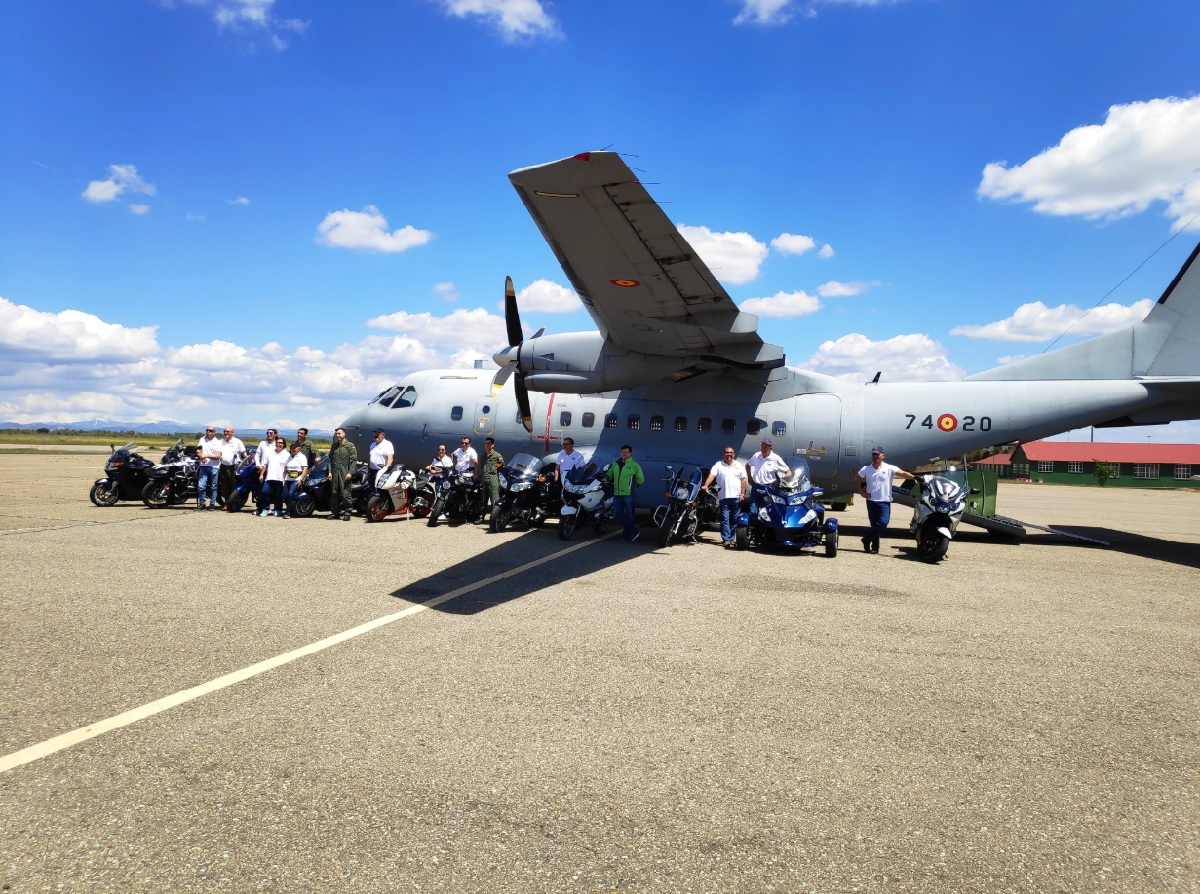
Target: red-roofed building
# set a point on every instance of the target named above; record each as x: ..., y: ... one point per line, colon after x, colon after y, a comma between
x: 1074, y: 462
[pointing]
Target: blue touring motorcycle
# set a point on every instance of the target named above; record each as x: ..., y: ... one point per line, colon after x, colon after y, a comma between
x: 789, y: 513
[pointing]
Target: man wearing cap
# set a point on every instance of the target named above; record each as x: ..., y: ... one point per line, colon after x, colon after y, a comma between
x: 764, y: 468
x: 875, y: 483
x: 382, y: 454
x: 233, y: 451
x: 208, y: 451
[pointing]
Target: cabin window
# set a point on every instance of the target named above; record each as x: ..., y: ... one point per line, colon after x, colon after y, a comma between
x: 1020, y: 470
x: 656, y: 423
x: 1183, y: 472
x: 456, y: 413
x: 564, y: 418
x: 589, y: 420
x: 1075, y: 467
x: 680, y: 423
x: 728, y: 426
x: 704, y: 425
x: 1145, y: 470
x: 754, y: 426
x: 778, y: 429
x: 610, y: 420
x: 1044, y: 466
x: 635, y: 422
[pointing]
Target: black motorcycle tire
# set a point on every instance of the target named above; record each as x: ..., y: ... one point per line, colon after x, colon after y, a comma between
x: 741, y: 538
x: 500, y: 518
x: 932, y: 546
x: 439, y: 504
x: 602, y: 523
x: 379, y: 507
x: 156, y: 496
x: 566, y: 525
x: 235, y: 501
x: 305, y: 506
x: 668, y: 528
x: 104, y: 493
x: 418, y: 506
x: 831, y: 544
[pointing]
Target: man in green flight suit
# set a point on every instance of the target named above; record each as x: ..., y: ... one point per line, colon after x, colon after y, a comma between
x: 342, y: 460
x: 492, y: 463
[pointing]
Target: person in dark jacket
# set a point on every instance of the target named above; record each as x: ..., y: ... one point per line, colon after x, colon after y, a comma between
x: 342, y: 460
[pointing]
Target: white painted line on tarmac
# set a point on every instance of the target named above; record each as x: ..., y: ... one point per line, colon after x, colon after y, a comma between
x: 92, y: 730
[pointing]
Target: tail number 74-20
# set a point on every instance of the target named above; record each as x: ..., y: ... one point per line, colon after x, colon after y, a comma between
x: 949, y: 422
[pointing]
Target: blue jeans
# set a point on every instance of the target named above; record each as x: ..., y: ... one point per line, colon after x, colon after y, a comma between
x: 206, y: 483
x: 879, y: 514
x: 290, y: 486
x: 729, y: 507
x: 272, y: 495
x: 623, y: 509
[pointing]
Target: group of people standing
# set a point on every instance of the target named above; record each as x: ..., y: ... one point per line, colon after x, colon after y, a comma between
x: 281, y: 469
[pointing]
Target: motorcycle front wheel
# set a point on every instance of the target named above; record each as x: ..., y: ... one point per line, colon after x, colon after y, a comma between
x: 156, y: 496
x: 602, y: 523
x: 235, y: 501
x: 566, y: 525
x: 500, y: 518
x: 668, y: 528
x: 438, y: 505
x: 932, y: 546
x: 104, y: 493
x: 831, y: 543
x: 741, y: 538
x: 379, y: 507
x: 305, y: 506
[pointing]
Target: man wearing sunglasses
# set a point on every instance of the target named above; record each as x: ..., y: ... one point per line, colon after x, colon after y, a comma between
x: 208, y: 451
x: 731, y: 490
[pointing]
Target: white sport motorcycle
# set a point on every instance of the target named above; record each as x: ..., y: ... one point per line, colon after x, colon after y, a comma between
x: 936, y: 515
x: 393, y: 484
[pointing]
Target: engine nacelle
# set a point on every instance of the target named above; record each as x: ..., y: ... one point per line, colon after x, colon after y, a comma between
x: 586, y: 362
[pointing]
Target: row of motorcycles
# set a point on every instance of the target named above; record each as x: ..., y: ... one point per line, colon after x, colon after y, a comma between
x: 785, y: 513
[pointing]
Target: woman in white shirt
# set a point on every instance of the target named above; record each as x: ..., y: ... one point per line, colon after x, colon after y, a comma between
x: 271, y: 475
x: 294, y: 473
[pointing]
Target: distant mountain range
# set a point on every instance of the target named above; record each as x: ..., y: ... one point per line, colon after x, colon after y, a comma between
x: 162, y: 427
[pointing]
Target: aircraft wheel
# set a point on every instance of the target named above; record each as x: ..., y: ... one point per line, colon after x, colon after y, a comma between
x: 831, y: 544
x: 500, y: 518
x: 104, y: 493
x: 741, y: 538
x: 379, y: 507
x: 566, y: 525
x: 838, y: 507
x: 156, y: 496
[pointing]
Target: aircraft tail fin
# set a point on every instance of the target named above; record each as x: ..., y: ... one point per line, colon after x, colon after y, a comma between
x: 1165, y: 344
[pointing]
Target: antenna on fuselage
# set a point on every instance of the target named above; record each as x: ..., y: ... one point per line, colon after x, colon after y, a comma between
x: 875, y: 381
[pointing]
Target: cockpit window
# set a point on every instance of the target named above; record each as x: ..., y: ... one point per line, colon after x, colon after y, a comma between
x: 406, y: 398
x: 386, y: 396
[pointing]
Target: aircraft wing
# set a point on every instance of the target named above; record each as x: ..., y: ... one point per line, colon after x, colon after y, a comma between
x: 645, y: 287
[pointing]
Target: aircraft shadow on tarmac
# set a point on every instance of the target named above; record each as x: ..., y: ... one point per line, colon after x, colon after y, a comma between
x: 513, y: 552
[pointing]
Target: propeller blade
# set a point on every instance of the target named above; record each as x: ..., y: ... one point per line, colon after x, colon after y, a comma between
x: 502, y: 375
x: 512, y: 319
x: 523, y: 403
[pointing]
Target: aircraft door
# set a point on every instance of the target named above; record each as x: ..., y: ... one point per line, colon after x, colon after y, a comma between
x: 818, y: 433
x: 484, y: 421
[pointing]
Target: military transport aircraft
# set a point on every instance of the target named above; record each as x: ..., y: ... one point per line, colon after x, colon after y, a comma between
x: 678, y: 372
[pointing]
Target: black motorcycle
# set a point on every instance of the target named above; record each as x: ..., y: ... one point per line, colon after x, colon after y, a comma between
x: 124, y: 476
x: 689, y: 508
x: 314, y: 494
x: 174, y: 479
x: 524, y: 494
x: 461, y: 497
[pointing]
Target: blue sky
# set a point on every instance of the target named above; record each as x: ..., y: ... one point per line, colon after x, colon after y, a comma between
x: 265, y: 211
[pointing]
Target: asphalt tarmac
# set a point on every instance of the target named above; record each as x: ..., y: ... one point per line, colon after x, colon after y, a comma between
x: 595, y: 716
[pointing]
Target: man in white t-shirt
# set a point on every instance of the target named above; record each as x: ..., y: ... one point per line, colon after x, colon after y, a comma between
x: 466, y: 460
x: 233, y: 451
x: 765, y: 467
x: 267, y: 443
x: 271, y: 475
x: 208, y: 451
x: 731, y: 490
x: 382, y: 454
x: 875, y: 483
x: 568, y: 458
x: 440, y: 468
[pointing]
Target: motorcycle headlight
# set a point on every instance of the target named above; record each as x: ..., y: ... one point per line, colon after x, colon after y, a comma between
x: 681, y: 493
x: 521, y: 485
x: 944, y: 505
x: 796, y: 500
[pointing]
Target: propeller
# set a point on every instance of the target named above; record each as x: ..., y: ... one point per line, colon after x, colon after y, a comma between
x: 508, y: 359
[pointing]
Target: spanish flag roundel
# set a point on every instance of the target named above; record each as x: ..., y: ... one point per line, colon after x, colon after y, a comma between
x: 947, y: 422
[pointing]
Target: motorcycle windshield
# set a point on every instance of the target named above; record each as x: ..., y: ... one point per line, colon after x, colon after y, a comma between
x: 523, y: 466
x: 943, y: 490
x: 800, y: 480
x: 686, y: 483
x: 582, y: 475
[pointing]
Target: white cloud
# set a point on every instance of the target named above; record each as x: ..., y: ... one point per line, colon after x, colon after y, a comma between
x: 1145, y: 152
x: 194, y: 218
x: 783, y: 304
x: 367, y: 230
x: 240, y: 200
x: 835, y: 289
x: 826, y: 252
x: 475, y: 327
x: 252, y: 17
x: 514, y: 18
x: 70, y: 336
x: 121, y: 179
x: 734, y: 258
x: 764, y: 12
x: 1037, y: 322
x: 904, y: 358
x: 447, y: 291
x: 545, y: 296
x: 139, y: 209
x: 789, y: 244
